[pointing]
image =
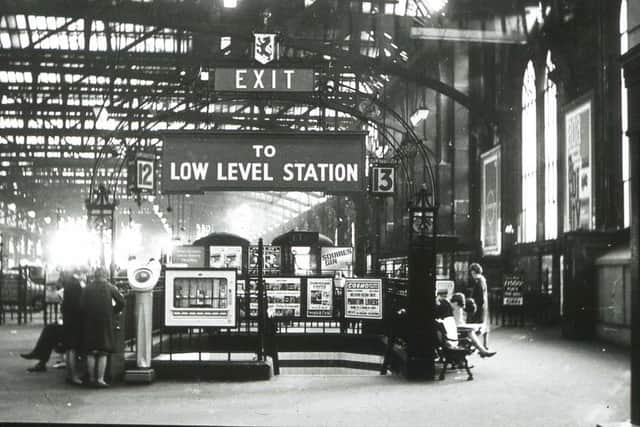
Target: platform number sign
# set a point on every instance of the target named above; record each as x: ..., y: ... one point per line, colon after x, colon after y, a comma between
x: 383, y: 180
x: 141, y: 175
x: 144, y: 169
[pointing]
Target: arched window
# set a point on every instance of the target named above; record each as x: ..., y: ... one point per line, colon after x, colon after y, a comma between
x: 626, y: 188
x: 550, y: 154
x: 528, y: 217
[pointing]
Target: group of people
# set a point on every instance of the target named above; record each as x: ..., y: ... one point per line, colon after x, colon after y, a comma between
x: 468, y: 314
x: 87, y: 330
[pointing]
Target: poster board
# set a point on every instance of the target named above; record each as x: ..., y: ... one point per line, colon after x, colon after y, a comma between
x: 334, y: 259
x: 284, y: 295
x: 490, y: 218
x: 578, y: 203
x: 363, y: 298
x: 272, y: 260
x: 200, y: 297
x: 319, y: 296
x: 225, y: 257
x: 513, y: 288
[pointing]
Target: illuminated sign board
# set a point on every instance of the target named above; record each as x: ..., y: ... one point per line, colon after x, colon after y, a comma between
x: 329, y: 162
x: 264, y: 80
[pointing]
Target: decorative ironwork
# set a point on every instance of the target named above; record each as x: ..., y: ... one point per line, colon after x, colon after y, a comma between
x: 422, y: 212
x: 100, y: 217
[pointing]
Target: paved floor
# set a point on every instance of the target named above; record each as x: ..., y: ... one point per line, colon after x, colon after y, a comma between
x: 536, y: 379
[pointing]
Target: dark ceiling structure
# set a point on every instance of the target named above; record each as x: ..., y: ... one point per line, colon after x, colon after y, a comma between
x: 82, y: 81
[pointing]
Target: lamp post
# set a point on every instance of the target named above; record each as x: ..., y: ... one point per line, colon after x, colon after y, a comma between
x: 100, y: 212
x: 422, y: 286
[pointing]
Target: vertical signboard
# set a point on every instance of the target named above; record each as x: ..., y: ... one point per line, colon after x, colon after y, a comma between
x: 578, y: 125
x: 200, y: 297
x: 363, y: 298
x: 513, y: 291
x: 319, y: 297
x: 490, y: 224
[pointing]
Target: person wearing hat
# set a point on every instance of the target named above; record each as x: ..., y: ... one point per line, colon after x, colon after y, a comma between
x: 98, y: 337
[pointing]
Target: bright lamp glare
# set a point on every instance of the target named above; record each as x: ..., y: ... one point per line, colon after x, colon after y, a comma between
x: 435, y: 5
x: 73, y: 245
x: 230, y: 3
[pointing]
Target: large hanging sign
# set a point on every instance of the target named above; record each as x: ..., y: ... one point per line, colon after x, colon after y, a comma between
x: 578, y: 125
x: 363, y: 298
x: 328, y: 162
x: 200, y: 297
x: 319, y: 296
x: 490, y: 205
x: 336, y: 259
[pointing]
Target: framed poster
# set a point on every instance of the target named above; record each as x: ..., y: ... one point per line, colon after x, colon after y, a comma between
x: 272, y: 260
x: 200, y: 297
x: 490, y: 218
x: 363, y: 298
x: 334, y: 259
x: 578, y: 203
x: 445, y: 288
x: 225, y: 257
x: 284, y: 295
x: 319, y: 296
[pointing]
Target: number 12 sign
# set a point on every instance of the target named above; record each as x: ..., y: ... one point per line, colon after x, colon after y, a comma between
x: 141, y: 173
x: 383, y: 179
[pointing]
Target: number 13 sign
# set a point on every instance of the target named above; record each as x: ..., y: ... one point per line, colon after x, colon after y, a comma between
x: 383, y: 179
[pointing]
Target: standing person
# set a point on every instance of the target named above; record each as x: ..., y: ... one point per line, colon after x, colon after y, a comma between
x: 480, y: 295
x: 98, y: 337
x: 71, y: 309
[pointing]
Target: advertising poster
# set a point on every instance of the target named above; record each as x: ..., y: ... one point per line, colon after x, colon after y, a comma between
x: 513, y: 288
x: 363, y: 298
x: 253, y: 295
x: 319, y: 297
x: 225, y: 257
x: 490, y: 204
x: 284, y: 295
x: 272, y: 260
x: 579, y: 198
x: 187, y: 256
x: 336, y: 259
x: 200, y: 297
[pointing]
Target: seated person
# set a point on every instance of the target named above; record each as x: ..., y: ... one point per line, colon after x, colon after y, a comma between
x: 459, y: 307
x: 50, y: 339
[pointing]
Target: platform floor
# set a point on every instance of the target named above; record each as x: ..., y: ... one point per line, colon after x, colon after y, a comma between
x: 536, y: 379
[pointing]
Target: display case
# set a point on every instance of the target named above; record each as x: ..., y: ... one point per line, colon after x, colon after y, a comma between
x: 200, y: 297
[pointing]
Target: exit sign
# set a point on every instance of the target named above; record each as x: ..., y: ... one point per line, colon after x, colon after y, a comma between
x: 264, y: 80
